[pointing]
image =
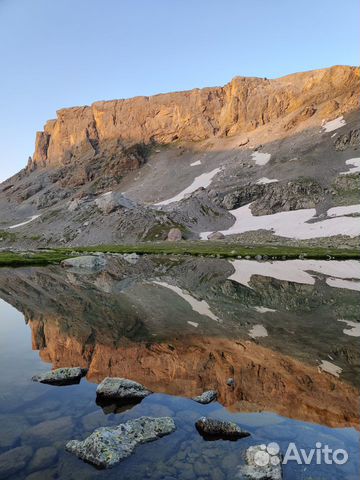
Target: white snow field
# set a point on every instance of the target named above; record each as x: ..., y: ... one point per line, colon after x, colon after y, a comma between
x: 293, y: 224
x: 265, y: 180
x: 198, y: 306
x: 334, y: 124
x: 261, y: 158
x: 203, y: 180
x: 355, y: 162
x: 31, y: 219
x: 297, y: 271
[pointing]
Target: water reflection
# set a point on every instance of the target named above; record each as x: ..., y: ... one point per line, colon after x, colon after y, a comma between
x: 180, y: 326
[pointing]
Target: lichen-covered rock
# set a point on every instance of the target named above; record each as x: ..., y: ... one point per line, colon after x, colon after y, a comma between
x: 211, y: 427
x: 106, y: 446
x: 121, y: 389
x: 206, y: 397
x: 90, y: 262
x: 262, y: 464
x: 174, y: 235
x: 61, y: 376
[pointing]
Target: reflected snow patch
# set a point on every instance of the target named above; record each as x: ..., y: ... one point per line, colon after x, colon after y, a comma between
x: 334, y: 124
x: 258, y: 331
x: 354, y: 330
x: 261, y: 158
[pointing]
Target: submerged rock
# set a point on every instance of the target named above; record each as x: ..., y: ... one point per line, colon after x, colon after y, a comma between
x: 121, y: 389
x: 262, y: 463
x: 216, y: 429
x: 230, y: 382
x: 206, y: 397
x: 91, y: 262
x: 61, y: 376
x: 107, y: 446
x: 14, y: 460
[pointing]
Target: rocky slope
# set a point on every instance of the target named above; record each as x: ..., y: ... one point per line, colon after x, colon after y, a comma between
x: 185, y: 159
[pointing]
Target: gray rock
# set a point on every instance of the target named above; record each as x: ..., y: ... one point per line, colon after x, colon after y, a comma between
x: 216, y: 236
x: 260, y: 465
x: 48, y: 432
x: 106, y: 446
x: 14, y: 460
x: 121, y: 389
x: 44, y: 457
x: 111, y: 201
x: 206, y: 397
x: 61, y: 376
x: 131, y: 258
x: 90, y: 262
x: 211, y: 427
x: 174, y: 235
x: 230, y: 382
x: 258, y: 257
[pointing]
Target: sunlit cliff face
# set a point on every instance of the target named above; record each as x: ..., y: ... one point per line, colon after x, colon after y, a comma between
x: 186, y: 366
x: 190, y: 330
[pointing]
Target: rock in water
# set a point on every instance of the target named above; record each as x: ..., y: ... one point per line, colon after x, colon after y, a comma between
x: 215, y: 429
x: 90, y: 262
x: 262, y: 463
x: 174, y: 235
x: 121, y: 389
x: 61, y: 376
x: 216, y: 236
x: 14, y: 460
x: 206, y: 397
x: 106, y: 446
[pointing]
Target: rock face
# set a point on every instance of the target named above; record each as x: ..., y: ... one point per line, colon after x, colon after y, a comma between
x: 121, y: 389
x: 106, y: 446
x: 206, y: 397
x: 212, y: 428
x: 61, y: 376
x: 262, y: 463
x: 111, y: 201
x: 240, y: 106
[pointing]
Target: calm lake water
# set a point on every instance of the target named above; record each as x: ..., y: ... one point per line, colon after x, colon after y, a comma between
x: 286, y: 332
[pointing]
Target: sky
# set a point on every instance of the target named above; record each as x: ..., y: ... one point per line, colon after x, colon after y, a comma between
x: 62, y: 53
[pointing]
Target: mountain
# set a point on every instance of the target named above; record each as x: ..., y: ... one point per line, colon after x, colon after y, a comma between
x: 260, y: 160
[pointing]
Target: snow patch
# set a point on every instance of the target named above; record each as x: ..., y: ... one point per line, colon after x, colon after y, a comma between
x: 356, y: 166
x: 198, y: 162
x: 200, y: 307
x: 293, y: 224
x: 346, y: 284
x: 330, y: 368
x: 264, y: 309
x: 296, y: 271
x: 264, y: 180
x: 261, y: 158
x: 258, y: 331
x: 203, y: 180
x: 334, y: 124
x: 354, y: 330
x: 34, y: 217
x: 193, y: 324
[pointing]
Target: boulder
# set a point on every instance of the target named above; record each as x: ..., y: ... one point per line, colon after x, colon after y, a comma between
x: 89, y: 262
x: 206, y: 397
x: 111, y: 201
x: 14, y: 460
x: 121, y: 389
x: 262, y: 463
x: 107, y: 446
x: 216, y: 236
x: 44, y: 457
x: 230, y: 382
x: 61, y: 376
x: 174, y: 235
x: 216, y: 429
x: 47, y: 432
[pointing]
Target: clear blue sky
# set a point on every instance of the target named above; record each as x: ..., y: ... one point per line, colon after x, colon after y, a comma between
x: 59, y: 53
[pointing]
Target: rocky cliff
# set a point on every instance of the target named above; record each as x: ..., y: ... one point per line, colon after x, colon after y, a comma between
x: 239, y: 107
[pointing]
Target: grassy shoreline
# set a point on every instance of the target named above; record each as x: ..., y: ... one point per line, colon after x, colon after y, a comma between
x: 206, y: 249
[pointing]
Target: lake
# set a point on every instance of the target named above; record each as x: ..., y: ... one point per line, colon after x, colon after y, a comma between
x: 286, y: 332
